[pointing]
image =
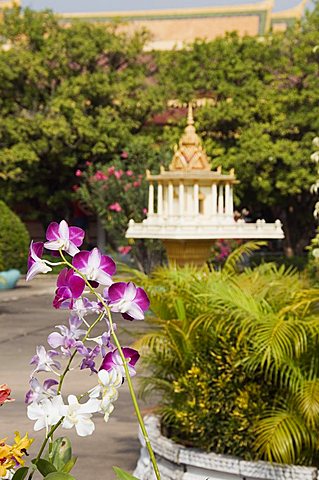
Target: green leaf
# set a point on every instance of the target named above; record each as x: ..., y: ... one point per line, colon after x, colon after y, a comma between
x: 21, y: 473
x: 61, y: 453
x: 59, y: 476
x: 69, y: 465
x: 45, y: 467
x: 123, y: 475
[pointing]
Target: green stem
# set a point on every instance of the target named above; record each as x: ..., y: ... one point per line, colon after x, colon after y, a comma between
x: 127, y: 373
x: 67, y: 368
x: 45, y: 441
x: 134, y: 400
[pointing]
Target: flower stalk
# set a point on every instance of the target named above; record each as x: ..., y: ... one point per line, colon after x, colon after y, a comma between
x: 86, y: 269
x: 128, y: 378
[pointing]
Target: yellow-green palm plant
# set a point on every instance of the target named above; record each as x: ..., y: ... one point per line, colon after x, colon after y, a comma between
x: 258, y: 326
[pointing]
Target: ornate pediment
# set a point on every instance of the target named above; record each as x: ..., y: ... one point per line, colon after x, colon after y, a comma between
x: 189, y: 154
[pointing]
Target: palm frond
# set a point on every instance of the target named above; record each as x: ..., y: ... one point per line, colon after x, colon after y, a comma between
x: 307, y: 400
x: 282, y: 436
x: 234, y: 259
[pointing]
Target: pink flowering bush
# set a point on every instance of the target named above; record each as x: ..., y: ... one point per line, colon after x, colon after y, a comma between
x: 104, y: 184
x: 73, y: 345
x: 221, y: 250
x: 117, y: 192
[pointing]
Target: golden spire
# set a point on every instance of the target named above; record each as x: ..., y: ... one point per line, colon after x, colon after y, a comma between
x: 190, y: 119
x: 189, y: 155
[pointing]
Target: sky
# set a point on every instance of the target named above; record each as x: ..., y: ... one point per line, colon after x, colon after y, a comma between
x: 119, y: 5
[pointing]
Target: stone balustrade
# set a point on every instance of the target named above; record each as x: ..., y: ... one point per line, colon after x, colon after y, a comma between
x: 177, y: 462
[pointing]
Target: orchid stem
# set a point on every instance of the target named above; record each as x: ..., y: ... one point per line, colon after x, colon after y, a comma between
x: 67, y: 368
x: 134, y: 400
x: 127, y: 374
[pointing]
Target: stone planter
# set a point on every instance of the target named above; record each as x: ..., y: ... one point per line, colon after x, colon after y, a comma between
x: 177, y: 462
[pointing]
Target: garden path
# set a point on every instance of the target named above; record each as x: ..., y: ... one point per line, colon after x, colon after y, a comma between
x: 26, y: 319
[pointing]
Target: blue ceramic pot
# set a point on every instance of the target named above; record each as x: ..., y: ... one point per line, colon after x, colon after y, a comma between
x: 9, y: 278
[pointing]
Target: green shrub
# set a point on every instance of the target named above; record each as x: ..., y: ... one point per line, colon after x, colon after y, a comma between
x: 235, y: 358
x: 14, y: 240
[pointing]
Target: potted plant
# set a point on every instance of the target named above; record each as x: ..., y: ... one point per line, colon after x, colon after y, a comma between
x: 235, y: 357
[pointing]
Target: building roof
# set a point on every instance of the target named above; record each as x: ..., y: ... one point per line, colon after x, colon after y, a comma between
x: 172, y: 28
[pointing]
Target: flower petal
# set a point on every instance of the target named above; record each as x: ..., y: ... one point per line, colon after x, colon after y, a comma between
x: 76, y: 235
x: 61, y: 280
x: 91, y: 406
x: 85, y: 427
x: 37, y: 267
x: 64, y: 230
x: 132, y: 354
x: 116, y: 291
x: 77, y: 285
x: 81, y: 259
x: 54, y: 245
x: 95, y: 258
x: 55, y: 340
x: 108, y: 265
x: 72, y: 249
x: 52, y: 232
x: 135, y: 311
x: 142, y: 299
x: 130, y: 291
x: 107, y: 362
x: 103, y: 278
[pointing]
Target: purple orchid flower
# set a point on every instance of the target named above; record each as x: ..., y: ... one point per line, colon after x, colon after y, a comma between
x: 113, y: 360
x: 104, y: 341
x: 89, y: 355
x: 127, y: 299
x: 98, y: 268
x: 44, y: 360
x: 68, y: 337
x: 62, y: 237
x: 70, y: 287
x: 35, y: 263
x: 38, y: 392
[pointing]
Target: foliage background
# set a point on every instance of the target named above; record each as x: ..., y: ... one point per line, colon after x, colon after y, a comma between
x: 87, y: 93
x: 14, y: 240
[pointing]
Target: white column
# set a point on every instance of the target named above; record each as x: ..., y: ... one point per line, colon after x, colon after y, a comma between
x: 160, y: 199
x: 189, y: 200
x: 170, y: 199
x: 220, y: 200
x: 214, y: 199
x: 181, y: 198
x: 151, y: 199
x: 227, y: 199
x: 196, y: 199
x: 231, y: 201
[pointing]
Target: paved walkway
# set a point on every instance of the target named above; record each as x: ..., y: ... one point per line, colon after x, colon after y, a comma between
x: 26, y: 319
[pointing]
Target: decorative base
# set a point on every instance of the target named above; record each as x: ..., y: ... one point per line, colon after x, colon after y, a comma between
x: 181, y: 252
x: 176, y: 462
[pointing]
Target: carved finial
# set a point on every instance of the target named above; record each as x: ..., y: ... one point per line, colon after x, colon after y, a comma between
x: 190, y: 119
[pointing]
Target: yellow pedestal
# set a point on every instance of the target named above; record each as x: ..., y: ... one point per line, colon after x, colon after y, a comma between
x: 181, y: 252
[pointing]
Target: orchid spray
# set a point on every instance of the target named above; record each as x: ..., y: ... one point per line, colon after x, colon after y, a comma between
x: 74, y: 344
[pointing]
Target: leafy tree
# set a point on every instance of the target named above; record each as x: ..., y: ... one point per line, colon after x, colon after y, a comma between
x: 69, y: 94
x: 264, y: 117
x: 82, y: 92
